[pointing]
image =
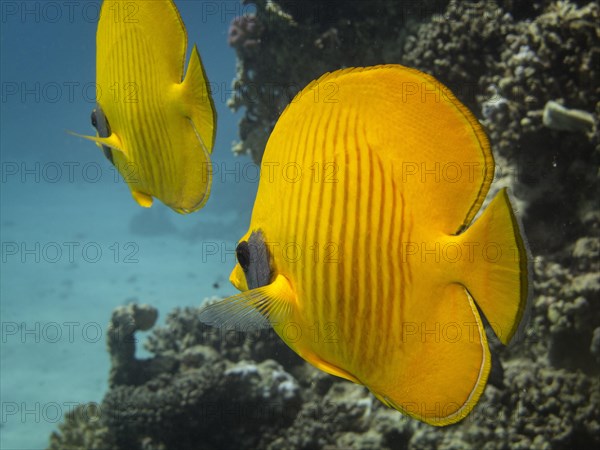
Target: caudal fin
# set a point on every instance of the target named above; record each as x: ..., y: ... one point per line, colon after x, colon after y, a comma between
x: 497, y: 272
x: 197, y: 98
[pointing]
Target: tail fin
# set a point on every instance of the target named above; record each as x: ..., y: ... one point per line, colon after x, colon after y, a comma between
x: 497, y: 275
x: 199, y: 102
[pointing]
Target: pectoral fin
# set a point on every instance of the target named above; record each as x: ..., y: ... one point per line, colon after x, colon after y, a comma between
x: 111, y: 141
x: 254, y: 309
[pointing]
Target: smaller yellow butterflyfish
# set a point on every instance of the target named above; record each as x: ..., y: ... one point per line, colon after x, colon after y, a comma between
x: 155, y: 125
x: 363, y: 251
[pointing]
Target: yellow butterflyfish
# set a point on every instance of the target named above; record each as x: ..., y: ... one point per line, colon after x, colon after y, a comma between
x: 155, y: 125
x: 363, y: 251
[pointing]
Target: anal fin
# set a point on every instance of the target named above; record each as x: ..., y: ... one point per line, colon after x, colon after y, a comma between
x: 144, y: 200
x: 328, y: 367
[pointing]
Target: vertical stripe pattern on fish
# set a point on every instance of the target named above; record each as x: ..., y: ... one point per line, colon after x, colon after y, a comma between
x: 379, y: 271
x: 162, y: 124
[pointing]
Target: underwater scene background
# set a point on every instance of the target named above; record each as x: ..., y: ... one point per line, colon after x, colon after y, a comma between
x: 102, y: 347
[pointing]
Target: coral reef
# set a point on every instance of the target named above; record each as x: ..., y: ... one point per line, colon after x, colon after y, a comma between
x: 207, y: 389
x: 558, y: 117
x: 508, y: 71
x: 82, y: 429
x: 244, y: 33
x: 505, y: 60
x: 286, y: 44
x: 125, y: 321
x: 225, y: 390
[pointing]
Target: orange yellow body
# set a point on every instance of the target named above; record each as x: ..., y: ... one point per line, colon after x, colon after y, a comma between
x: 366, y: 202
x: 162, y: 123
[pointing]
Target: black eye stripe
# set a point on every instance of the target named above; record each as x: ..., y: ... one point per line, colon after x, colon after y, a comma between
x: 100, y: 123
x: 243, y: 254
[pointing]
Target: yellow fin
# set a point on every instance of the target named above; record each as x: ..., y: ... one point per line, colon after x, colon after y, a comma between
x: 498, y: 274
x: 325, y: 366
x: 254, y: 309
x: 111, y: 141
x: 144, y: 200
x: 433, y: 375
x: 197, y: 101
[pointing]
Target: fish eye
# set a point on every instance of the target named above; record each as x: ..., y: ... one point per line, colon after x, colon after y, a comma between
x: 94, y: 119
x: 242, y: 252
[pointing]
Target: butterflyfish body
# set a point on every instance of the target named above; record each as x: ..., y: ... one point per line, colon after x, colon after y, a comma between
x: 155, y: 125
x: 363, y: 251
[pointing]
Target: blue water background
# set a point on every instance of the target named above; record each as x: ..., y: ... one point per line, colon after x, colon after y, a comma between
x: 74, y: 243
